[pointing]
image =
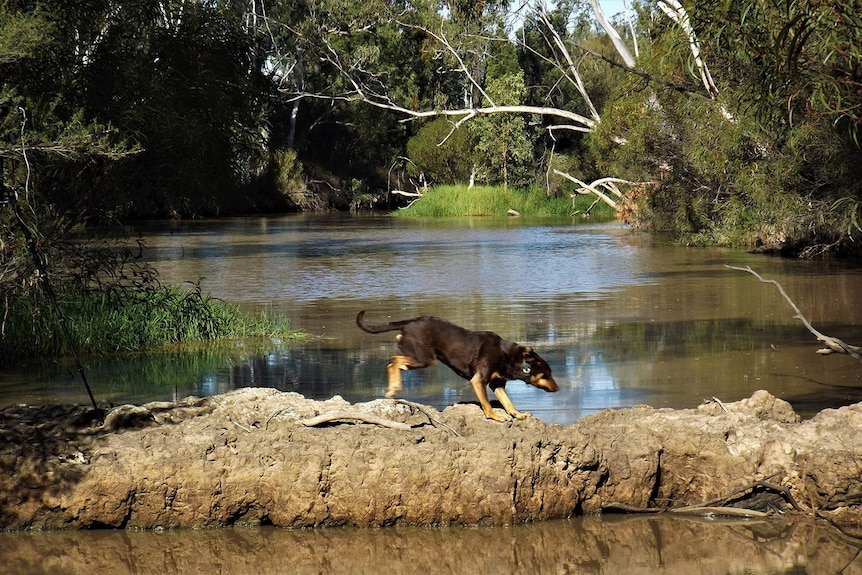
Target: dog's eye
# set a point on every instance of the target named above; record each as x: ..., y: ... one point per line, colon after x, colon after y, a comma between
x: 526, y: 368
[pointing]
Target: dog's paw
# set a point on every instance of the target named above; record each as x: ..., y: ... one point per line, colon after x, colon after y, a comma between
x: 493, y: 415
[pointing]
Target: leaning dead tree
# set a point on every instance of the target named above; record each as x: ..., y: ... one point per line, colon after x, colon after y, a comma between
x: 833, y: 344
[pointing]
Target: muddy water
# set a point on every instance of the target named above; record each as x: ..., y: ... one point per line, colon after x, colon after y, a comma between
x: 622, y: 318
x: 609, y: 546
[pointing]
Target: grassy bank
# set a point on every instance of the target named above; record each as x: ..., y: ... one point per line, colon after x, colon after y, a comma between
x: 122, y: 321
x: 454, y: 201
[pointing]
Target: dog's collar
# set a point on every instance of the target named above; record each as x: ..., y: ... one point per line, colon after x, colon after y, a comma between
x: 525, y: 368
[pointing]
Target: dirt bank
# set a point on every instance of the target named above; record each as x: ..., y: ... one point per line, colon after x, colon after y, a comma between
x: 249, y: 457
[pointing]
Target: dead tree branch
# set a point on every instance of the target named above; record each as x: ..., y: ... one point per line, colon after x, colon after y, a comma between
x: 434, y: 421
x: 833, y: 344
x: 363, y: 417
x: 719, y: 505
x: 608, y: 184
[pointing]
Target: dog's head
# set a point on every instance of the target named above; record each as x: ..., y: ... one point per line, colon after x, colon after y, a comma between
x: 537, y: 372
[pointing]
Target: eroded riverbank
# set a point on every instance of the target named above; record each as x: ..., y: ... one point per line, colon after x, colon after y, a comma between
x: 249, y: 458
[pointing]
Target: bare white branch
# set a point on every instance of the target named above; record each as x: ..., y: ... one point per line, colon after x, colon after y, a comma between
x: 354, y: 415
x: 674, y: 10
x: 570, y: 63
x: 616, y: 39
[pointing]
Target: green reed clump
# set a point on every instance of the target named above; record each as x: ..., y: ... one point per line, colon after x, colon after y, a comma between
x: 455, y: 201
x: 125, y: 320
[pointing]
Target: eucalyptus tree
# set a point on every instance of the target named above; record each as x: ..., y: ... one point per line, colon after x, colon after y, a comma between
x: 504, y: 148
x: 181, y: 79
x: 41, y: 134
x: 796, y: 65
x: 39, y: 131
x: 339, y: 140
x: 451, y: 42
x: 768, y: 156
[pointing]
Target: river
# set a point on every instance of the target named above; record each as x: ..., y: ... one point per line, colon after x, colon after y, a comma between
x: 612, y: 545
x: 623, y: 318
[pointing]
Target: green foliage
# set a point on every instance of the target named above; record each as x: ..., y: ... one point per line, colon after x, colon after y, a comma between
x: 459, y: 201
x: 799, y: 58
x: 124, y: 320
x: 287, y: 170
x: 851, y: 209
x: 21, y: 33
x: 751, y: 169
x: 325, y: 37
x: 504, y: 147
x: 180, y: 88
x: 443, y: 155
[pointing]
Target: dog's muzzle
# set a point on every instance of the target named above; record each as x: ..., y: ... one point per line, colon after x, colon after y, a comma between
x: 546, y: 383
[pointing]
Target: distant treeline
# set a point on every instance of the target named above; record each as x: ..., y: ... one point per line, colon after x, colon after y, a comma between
x: 738, y: 121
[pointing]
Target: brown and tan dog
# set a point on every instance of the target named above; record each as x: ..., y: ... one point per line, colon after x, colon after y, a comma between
x: 482, y: 357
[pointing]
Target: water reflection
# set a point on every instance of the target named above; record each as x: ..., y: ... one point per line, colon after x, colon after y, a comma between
x: 337, y: 258
x: 622, y: 318
x: 619, y: 546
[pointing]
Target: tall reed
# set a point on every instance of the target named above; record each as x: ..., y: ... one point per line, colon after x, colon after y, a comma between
x: 124, y: 320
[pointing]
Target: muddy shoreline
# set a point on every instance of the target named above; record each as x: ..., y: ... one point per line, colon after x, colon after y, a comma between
x: 257, y: 457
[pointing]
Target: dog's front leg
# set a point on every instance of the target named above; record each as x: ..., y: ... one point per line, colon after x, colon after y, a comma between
x: 479, y: 387
x: 503, y: 397
x: 393, y: 370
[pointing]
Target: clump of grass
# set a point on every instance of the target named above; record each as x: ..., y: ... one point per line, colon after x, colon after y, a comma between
x: 125, y: 320
x: 459, y: 201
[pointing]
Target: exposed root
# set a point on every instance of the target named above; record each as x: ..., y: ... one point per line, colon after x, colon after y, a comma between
x: 731, y: 505
x: 435, y: 422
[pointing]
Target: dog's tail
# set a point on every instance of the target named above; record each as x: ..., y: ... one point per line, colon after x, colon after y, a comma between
x: 379, y: 328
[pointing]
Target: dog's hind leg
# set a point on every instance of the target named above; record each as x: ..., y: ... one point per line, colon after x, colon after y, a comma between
x: 507, y: 404
x: 397, y: 364
x: 479, y: 388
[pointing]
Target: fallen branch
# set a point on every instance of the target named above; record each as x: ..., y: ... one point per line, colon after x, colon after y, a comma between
x: 833, y: 344
x: 588, y: 188
x: 726, y: 511
x: 717, y: 506
x: 764, y: 483
x: 617, y: 506
x: 691, y: 510
x: 363, y: 417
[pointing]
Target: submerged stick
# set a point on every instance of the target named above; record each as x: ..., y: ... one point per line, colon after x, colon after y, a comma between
x: 833, y: 344
x: 726, y: 511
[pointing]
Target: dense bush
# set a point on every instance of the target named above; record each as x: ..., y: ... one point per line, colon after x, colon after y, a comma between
x: 441, y: 153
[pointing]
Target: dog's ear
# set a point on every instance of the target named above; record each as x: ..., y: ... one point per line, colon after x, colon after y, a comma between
x: 528, y: 352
